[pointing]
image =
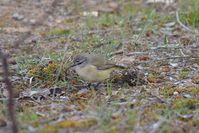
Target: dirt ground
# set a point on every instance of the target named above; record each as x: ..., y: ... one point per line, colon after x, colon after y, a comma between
x: 157, y: 42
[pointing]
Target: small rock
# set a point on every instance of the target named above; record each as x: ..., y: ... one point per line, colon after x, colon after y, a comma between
x: 64, y: 98
x: 175, y: 93
x: 33, y: 21
x: 187, y: 96
x: 17, y: 16
x: 173, y: 64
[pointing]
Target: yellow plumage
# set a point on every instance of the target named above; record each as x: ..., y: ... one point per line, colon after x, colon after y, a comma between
x: 92, y: 74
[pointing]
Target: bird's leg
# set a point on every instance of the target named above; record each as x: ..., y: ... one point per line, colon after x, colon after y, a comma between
x: 94, y: 86
x: 89, y: 85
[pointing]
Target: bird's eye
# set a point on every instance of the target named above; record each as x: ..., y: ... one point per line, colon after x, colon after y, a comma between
x: 78, y: 60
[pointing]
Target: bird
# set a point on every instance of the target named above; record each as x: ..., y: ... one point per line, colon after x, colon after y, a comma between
x: 93, y: 67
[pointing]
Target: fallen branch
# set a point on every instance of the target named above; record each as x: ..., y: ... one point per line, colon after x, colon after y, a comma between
x: 9, y: 87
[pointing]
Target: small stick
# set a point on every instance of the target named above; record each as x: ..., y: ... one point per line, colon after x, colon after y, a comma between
x: 9, y: 87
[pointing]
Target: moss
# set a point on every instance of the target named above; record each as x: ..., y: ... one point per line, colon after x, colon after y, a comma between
x: 183, y: 73
x: 77, y: 124
x: 155, y: 77
x: 158, y: 106
x: 193, y: 90
x: 25, y: 63
x: 196, y: 61
x: 49, y: 129
x: 51, y: 68
x: 192, y: 103
x: 185, y: 106
x: 44, y: 72
x: 195, y: 79
x: 167, y: 92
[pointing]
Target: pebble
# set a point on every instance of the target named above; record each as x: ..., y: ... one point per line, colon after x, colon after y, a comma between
x: 187, y: 96
x: 175, y: 93
x: 33, y: 21
x: 17, y: 16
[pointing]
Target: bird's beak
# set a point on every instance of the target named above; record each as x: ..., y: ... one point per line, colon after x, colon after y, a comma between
x: 72, y: 65
x: 75, y: 64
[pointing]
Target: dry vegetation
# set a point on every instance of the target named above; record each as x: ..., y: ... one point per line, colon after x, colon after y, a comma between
x: 157, y: 42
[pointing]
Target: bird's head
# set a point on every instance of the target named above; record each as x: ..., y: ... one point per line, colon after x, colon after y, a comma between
x: 80, y: 61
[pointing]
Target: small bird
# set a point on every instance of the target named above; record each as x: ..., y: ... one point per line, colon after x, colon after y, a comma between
x: 93, y: 67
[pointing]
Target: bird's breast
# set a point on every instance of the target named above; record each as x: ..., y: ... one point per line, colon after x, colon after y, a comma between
x: 92, y: 74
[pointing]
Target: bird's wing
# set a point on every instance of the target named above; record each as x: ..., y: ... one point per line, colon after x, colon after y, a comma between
x: 100, y: 62
x: 97, y: 60
x: 108, y: 66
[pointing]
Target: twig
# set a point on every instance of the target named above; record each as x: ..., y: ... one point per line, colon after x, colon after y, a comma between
x: 117, y: 52
x: 136, y: 53
x: 180, y: 57
x: 9, y: 87
x: 172, y: 57
x: 182, y: 52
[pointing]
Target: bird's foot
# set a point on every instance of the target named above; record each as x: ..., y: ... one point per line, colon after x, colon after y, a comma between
x: 94, y: 86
